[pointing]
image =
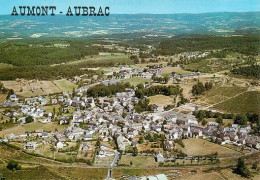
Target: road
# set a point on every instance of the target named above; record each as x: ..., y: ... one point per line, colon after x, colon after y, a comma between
x: 113, y: 164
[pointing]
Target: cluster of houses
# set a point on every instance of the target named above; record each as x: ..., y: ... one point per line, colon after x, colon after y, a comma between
x: 114, y: 119
x: 192, y: 55
x: 127, y: 72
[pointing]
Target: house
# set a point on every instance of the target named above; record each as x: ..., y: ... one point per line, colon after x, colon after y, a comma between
x: 31, y: 145
x: 160, y: 157
x: 14, y: 98
x: 86, y: 147
x: 59, y: 145
x: 157, y: 108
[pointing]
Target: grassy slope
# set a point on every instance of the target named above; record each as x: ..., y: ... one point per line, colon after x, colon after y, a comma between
x: 248, y: 102
x: 32, y: 127
x: 196, y: 146
x: 218, y: 93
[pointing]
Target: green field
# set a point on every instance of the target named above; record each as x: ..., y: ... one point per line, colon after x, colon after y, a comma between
x: 248, y: 102
x: 80, y: 173
x: 135, y: 81
x: 65, y: 85
x: 31, y: 173
x: 218, y: 94
x: 138, y: 161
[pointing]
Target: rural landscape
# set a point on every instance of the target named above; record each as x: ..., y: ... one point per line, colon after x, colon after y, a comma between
x: 130, y: 97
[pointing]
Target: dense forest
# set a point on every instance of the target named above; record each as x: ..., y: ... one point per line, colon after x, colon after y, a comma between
x: 43, y: 72
x: 247, y: 45
x: 102, y: 90
x: 46, y: 59
x: 44, y: 53
x: 199, y: 88
x: 252, y: 71
x: 160, y: 89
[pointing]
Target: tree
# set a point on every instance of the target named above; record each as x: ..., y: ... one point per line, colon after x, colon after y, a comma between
x: 135, y: 151
x: 219, y: 120
x: 73, y: 93
x: 29, y: 119
x: 141, y: 140
x: 204, y: 122
x: 241, y: 168
x: 255, y: 166
x: 241, y: 119
x: 131, y: 163
x: 13, y: 165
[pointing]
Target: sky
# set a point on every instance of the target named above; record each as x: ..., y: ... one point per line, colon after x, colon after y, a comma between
x: 142, y: 6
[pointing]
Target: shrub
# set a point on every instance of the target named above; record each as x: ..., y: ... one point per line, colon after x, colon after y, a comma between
x: 13, y: 165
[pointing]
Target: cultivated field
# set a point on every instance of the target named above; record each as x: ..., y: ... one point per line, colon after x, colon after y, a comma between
x: 248, y: 102
x: 64, y: 85
x: 21, y: 129
x: 136, y: 81
x: 147, y: 146
x: 34, y: 88
x: 139, y: 161
x: 197, y: 146
x: 168, y: 70
x: 218, y: 93
x: 161, y: 100
x: 80, y: 173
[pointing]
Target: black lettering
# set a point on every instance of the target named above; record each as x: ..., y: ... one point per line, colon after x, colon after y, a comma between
x: 84, y: 11
x: 38, y: 11
x: 30, y: 11
x: 107, y: 11
x: 100, y: 12
x: 52, y: 8
x: 77, y: 13
x: 44, y: 10
x: 14, y: 13
x: 69, y: 13
x: 22, y: 12
x: 92, y: 11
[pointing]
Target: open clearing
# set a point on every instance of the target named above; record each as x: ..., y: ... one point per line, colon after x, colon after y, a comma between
x: 139, y: 161
x: 136, y: 81
x: 197, y: 146
x: 64, y: 85
x: 35, y: 88
x: 21, y: 129
x: 161, y: 100
x: 168, y: 70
